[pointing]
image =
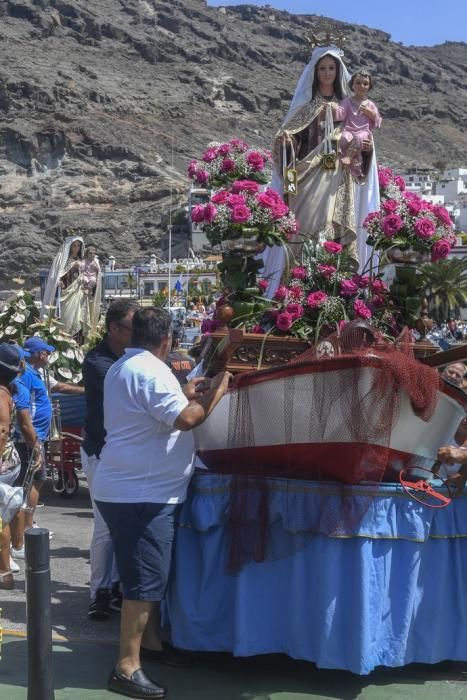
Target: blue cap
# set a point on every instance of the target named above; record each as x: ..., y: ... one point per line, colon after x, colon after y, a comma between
x: 36, y: 344
x: 23, y: 353
x: 10, y: 357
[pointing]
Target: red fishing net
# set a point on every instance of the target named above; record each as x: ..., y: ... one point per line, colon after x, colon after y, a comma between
x: 332, y: 414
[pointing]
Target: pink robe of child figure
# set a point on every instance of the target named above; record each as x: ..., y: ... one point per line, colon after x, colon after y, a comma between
x: 357, y: 125
x: 91, y: 270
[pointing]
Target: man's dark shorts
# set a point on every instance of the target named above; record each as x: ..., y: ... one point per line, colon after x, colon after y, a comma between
x: 25, y: 453
x: 142, y: 536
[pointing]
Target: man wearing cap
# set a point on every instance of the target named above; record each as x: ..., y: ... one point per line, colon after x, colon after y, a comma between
x: 41, y: 414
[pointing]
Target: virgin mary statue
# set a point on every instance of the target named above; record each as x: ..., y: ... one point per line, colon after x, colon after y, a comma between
x: 77, y: 311
x: 327, y: 203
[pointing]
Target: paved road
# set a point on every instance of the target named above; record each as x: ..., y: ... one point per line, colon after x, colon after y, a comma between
x: 71, y: 524
x: 81, y: 665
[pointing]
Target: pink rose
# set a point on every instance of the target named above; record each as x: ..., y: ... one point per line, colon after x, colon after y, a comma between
x: 192, y: 167
x: 361, y: 309
x: 255, y: 160
x: 299, y: 273
x: 390, y: 205
x: 257, y: 329
x: 400, y: 182
x: 224, y: 149
x: 245, y: 186
x: 295, y: 310
x: 379, y: 287
x: 424, y: 228
x: 442, y: 215
x: 197, y: 214
x: 414, y: 205
x: 316, y: 299
x: 391, y: 225
x: 295, y: 292
x: 440, y: 250
x: 273, y: 194
x: 210, y: 213
x: 348, y: 288
x: 239, y: 145
x: 263, y: 285
x: 384, y: 176
x: 240, y: 214
x: 280, y: 293
x: 376, y: 301
x: 284, y: 321
x: 370, y: 217
x: 235, y: 200
x: 210, y: 155
x: 220, y: 197
x: 342, y: 324
x: 326, y: 270
x: 384, y: 179
x: 279, y: 210
x: 227, y: 165
x: 332, y: 247
x: 202, y: 177
x: 266, y: 200
x: 362, y: 281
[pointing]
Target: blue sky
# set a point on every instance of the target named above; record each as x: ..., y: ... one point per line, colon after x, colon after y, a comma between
x: 420, y: 22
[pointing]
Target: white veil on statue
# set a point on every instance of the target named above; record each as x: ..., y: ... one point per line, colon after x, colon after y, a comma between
x: 303, y: 91
x: 68, y: 305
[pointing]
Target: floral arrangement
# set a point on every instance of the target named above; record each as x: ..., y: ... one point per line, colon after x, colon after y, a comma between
x: 405, y: 221
x: 223, y: 163
x: 19, y: 319
x: 322, y: 295
x: 243, y: 210
x: 16, y: 316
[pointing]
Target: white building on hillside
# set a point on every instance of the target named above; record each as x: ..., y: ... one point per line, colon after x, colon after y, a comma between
x: 419, y: 180
x: 452, y: 184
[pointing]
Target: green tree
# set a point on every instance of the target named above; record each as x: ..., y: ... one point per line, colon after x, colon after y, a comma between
x: 445, y: 284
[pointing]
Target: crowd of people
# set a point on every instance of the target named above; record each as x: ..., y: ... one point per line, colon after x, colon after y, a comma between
x: 138, y: 429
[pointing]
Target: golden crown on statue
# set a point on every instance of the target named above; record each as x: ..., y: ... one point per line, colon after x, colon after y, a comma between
x: 325, y: 33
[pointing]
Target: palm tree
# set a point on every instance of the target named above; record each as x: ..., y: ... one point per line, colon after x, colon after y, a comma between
x: 445, y: 284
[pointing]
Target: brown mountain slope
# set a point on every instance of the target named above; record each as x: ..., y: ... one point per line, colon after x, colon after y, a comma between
x: 92, y: 95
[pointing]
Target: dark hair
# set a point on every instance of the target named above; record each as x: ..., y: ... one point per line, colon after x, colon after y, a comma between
x: 150, y: 327
x: 7, y: 376
x: 363, y: 74
x: 80, y: 253
x: 337, y: 83
x: 118, y: 310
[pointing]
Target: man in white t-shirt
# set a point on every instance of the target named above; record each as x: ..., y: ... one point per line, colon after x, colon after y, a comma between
x: 142, y: 476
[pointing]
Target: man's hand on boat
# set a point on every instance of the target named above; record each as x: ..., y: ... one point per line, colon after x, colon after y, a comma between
x: 455, y: 455
x: 201, y: 385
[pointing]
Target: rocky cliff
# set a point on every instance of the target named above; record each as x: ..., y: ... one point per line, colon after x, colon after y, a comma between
x: 103, y: 103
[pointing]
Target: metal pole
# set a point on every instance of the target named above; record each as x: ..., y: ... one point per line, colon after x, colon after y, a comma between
x: 39, y: 615
x: 170, y: 262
